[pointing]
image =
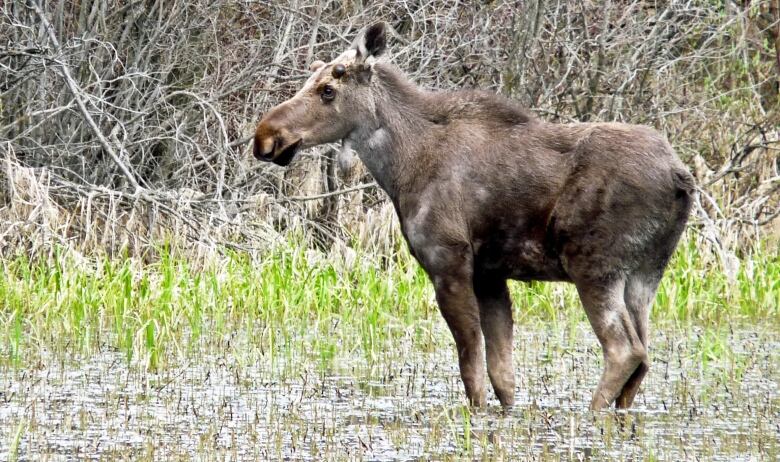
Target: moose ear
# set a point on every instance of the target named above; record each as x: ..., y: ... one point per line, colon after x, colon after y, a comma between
x: 371, y: 42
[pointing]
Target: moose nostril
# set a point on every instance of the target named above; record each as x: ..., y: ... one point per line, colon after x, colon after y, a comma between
x: 268, y: 147
x: 264, y: 138
x: 275, y: 146
x: 264, y: 148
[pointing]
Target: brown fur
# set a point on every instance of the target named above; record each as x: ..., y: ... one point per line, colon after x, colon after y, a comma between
x: 485, y: 192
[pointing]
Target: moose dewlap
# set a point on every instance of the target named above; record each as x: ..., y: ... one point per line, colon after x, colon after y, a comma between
x: 485, y: 192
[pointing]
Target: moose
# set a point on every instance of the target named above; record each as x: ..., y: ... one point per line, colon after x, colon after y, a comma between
x: 486, y: 192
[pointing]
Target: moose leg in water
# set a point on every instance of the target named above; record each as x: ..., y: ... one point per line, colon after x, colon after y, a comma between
x: 437, y: 239
x: 495, y: 314
x: 622, y: 348
x: 639, y: 294
x: 458, y: 305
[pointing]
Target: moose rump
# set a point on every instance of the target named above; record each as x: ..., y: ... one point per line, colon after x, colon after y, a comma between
x: 485, y: 192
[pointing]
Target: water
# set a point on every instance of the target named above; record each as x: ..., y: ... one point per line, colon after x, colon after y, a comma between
x: 698, y: 402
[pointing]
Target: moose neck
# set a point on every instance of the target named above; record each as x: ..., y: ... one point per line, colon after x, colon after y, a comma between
x: 387, y: 145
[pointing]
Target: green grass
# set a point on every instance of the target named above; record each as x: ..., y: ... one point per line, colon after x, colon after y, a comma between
x: 291, y: 302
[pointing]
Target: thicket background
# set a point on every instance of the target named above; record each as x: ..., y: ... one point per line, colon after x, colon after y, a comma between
x: 125, y: 123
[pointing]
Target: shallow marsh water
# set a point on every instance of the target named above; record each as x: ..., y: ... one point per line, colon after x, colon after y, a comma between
x: 707, y: 397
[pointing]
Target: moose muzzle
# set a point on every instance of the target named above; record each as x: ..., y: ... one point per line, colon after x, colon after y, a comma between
x: 274, y: 143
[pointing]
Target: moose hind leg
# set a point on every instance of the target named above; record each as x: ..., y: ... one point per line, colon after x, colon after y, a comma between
x: 638, y: 295
x: 458, y: 306
x: 622, y: 347
x: 495, y: 313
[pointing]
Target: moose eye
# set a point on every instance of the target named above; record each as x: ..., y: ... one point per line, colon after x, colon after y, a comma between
x: 328, y: 93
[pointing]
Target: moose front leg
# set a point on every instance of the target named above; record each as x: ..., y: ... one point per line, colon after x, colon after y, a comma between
x: 443, y: 250
x: 458, y: 306
x: 495, y: 313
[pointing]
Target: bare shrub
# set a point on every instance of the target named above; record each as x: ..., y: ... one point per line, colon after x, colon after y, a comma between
x: 123, y: 123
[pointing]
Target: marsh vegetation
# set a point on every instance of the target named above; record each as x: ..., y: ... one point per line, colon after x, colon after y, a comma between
x: 298, y: 354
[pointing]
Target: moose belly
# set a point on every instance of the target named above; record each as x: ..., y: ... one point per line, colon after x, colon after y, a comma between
x: 520, y: 259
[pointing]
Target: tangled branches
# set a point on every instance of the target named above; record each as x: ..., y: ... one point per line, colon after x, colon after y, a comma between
x: 130, y: 118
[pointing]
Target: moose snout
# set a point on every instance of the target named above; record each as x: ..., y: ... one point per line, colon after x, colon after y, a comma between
x: 275, y: 144
x: 265, y: 141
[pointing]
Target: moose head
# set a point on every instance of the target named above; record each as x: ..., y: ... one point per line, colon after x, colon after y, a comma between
x: 335, y: 99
